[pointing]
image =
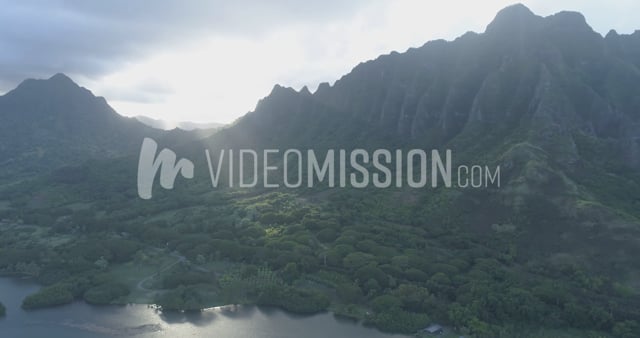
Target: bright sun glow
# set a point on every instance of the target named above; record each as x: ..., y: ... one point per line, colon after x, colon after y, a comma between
x: 221, y: 77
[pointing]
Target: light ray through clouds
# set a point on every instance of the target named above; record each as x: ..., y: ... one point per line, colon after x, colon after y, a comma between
x: 212, y: 61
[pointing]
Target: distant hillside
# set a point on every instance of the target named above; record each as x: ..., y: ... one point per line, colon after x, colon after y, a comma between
x: 54, y: 122
x: 51, y: 123
x: 184, y: 125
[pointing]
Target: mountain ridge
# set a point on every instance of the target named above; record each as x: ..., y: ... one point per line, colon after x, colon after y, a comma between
x: 555, y: 103
x: 54, y: 122
x: 432, y: 93
x: 184, y: 125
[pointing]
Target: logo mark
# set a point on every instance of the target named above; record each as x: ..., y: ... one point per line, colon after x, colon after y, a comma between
x: 149, y: 164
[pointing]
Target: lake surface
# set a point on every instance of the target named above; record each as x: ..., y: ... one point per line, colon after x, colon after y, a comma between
x: 82, y: 320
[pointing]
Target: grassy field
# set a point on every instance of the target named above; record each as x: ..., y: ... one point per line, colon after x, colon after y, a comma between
x: 147, y: 263
x: 142, y: 275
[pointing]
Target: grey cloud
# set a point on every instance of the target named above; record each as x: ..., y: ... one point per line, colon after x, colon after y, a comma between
x: 145, y: 92
x: 93, y: 38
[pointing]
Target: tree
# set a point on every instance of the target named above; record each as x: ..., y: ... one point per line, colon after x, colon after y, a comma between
x: 294, y: 300
x: 356, y: 260
x: 30, y: 269
x: 522, y: 305
x: 626, y: 329
x: 400, y: 261
x: 290, y: 272
x: 439, y: 283
x: 459, y: 315
x: 105, y: 293
x: 349, y: 293
x: 371, y: 287
x: 413, y: 297
x: 57, y: 294
x: 480, y: 328
x: 327, y: 235
x: 371, y: 271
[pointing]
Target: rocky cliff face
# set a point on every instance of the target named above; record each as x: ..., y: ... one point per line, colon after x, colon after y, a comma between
x: 550, y: 77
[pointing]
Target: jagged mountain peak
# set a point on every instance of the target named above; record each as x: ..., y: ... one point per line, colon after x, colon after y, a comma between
x: 514, y: 18
x: 58, y: 95
x: 305, y: 91
x: 52, y: 122
x: 281, y: 90
x: 569, y: 19
x: 58, y: 81
x: 518, y: 19
x: 612, y: 34
x: 61, y: 78
x: 496, y: 81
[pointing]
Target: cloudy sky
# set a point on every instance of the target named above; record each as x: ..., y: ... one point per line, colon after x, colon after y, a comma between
x: 212, y: 60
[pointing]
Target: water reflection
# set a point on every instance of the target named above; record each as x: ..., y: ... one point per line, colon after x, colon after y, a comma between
x: 82, y: 320
x: 197, y: 318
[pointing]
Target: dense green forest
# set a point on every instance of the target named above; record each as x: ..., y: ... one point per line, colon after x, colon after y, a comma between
x: 397, y: 260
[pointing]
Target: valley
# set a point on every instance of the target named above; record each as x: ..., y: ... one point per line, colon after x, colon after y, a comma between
x: 546, y: 105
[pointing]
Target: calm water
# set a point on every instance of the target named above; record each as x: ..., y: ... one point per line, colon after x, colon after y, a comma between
x: 82, y: 320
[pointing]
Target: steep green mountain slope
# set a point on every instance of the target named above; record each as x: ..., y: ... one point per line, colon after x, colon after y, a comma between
x: 50, y: 123
x: 551, y: 101
x: 525, y: 72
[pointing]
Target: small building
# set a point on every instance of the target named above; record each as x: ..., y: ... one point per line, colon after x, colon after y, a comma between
x: 434, y: 329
